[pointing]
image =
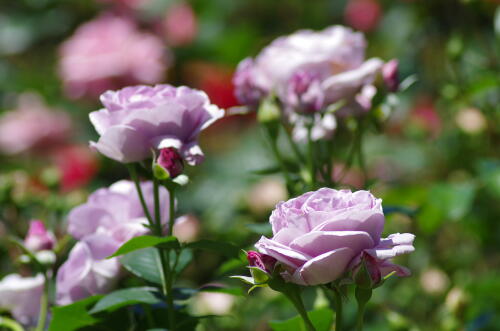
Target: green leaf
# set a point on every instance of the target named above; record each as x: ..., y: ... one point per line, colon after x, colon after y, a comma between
x: 185, y: 257
x: 144, y: 242
x: 322, y: 320
x: 125, y: 297
x: 7, y: 323
x: 144, y: 263
x: 221, y: 247
x: 73, y: 316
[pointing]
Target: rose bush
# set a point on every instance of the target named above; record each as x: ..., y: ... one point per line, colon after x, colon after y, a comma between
x: 320, y: 235
x: 137, y: 119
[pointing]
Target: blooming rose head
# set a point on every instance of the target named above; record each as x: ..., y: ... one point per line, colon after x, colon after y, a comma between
x: 32, y: 126
x: 308, y: 70
x: 38, y: 238
x: 108, y: 53
x: 320, y: 235
x: 110, y: 217
x: 137, y: 119
x: 21, y: 296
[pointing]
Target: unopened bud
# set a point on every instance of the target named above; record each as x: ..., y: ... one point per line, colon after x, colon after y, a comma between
x: 390, y: 74
x: 38, y: 238
x: 170, y: 161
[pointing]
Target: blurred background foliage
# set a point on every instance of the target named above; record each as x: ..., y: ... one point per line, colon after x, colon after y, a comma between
x: 437, y: 166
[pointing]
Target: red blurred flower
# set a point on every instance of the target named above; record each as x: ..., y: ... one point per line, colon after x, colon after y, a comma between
x: 425, y: 115
x: 215, y: 80
x: 363, y: 15
x: 77, y: 166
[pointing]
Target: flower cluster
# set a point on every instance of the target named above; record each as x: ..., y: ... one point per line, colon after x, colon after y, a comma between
x: 309, y: 72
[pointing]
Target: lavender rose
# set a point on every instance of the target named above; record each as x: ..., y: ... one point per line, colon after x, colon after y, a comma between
x: 109, y: 218
x: 308, y: 70
x: 21, y: 296
x: 137, y: 119
x: 320, y: 235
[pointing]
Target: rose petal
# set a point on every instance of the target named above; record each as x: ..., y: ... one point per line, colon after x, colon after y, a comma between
x: 324, y: 268
x: 319, y: 242
x: 281, y: 252
x: 123, y: 144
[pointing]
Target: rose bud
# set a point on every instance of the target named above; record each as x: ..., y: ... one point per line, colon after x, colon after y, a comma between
x: 390, y: 74
x: 170, y: 161
x: 38, y: 238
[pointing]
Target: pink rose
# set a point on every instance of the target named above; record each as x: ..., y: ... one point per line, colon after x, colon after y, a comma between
x: 32, y: 126
x: 38, y: 238
x: 108, y: 53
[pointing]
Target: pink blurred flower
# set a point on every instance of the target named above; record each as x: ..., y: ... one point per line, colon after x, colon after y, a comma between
x: 77, y: 165
x: 22, y: 295
x: 187, y: 228
x: 38, y: 238
x: 108, y: 53
x: 32, y: 126
x: 363, y: 15
x: 180, y: 25
x: 390, y: 74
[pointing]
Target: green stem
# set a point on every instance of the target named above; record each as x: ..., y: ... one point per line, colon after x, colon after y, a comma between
x: 299, y: 305
x: 165, y: 254
x: 337, y: 298
x: 133, y: 175
x: 292, y: 143
x: 281, y: 162
x: 362, y: 297
x: 310, y: 158
x: 44, y: 304
x: 361, y: 157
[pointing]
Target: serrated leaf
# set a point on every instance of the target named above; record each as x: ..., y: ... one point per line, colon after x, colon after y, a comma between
x: 221, y: 247
x: 141, y: 242
x: 322, y: 320
x: 125, y: 297
x: 73, y: 316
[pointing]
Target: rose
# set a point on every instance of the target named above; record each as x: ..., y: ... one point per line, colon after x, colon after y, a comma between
x: 87, y: 271
x: 137, y: 119
x: 33, y: 127
x: 110, y: 52
x: 320, y: 235
x: 109, y: 218
x: 22, y: 295
x: 308, y: 70
x: 38, y: 238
